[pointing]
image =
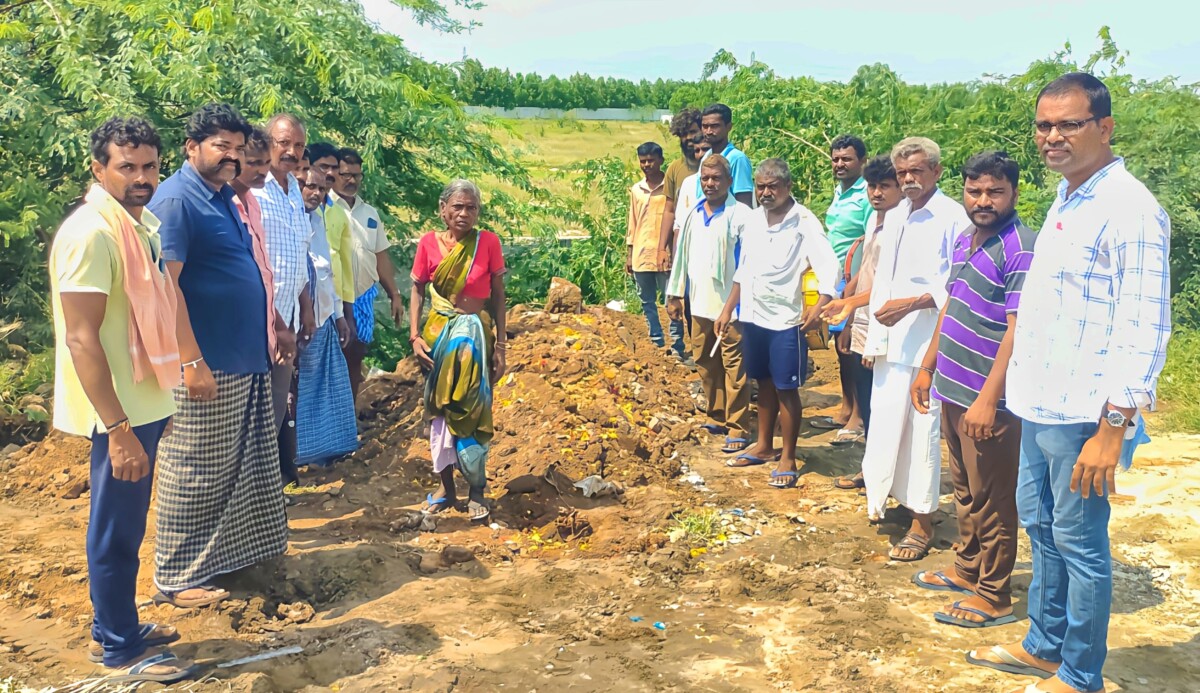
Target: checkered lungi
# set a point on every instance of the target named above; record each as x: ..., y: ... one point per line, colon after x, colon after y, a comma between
x: 326, y: 425
x: 364, y: 314
x: 220, y: 497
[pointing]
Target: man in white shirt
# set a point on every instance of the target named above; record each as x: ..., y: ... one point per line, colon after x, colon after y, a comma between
x: 706, y: 258
x: 1088, y: 347
x: 768, y: 287
x: 903, y: 456
x: 686, y: 197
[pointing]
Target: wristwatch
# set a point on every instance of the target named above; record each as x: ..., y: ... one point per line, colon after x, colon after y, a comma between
x: 1115, y: 418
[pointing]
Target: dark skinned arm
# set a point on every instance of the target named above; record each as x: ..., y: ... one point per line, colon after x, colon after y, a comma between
x: 198, y: 378
x: 387, y: 279
x: 415, y: 302
x: 924, y: 381
x: 499, y: 302
x: 894, y: 310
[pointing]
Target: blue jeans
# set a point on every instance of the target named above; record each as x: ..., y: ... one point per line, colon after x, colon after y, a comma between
x: 1070, y: 598
x: 116, y: 526
x: 650, y: 285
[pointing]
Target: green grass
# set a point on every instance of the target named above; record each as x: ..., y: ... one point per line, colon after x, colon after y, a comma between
x: 1179, y: 386
x: 699, y: 528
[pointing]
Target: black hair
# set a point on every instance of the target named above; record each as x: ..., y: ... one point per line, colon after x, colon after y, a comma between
x: 321, y: 150
x: 214, y: 117
x: 348, y: 155
x: 1099, y: 100
x: 123, y: 132
x: 684, y: 120
x: 721, y: 110
x: 878, y: 169
x: 650, y: 149
x: 307, y: 155
x: 996, y: 164
x: 258, y: 140
x: 844, y: 141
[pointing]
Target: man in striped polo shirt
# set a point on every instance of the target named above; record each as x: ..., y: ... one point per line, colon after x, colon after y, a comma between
x: 964, y: 368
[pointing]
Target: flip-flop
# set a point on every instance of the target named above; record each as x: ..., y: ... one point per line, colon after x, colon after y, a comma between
x: 1008, y: 664
x: 846, y: 436
x: 792, y: 477
x: 473, y: 511
x: 987, y: 622
x: 215, y: 595
x: 434, y: 506
x: 751, y: 460
x: 849, y: 483
x: 944, y: 584
x: 96, y: 650
x: 715, y: 429
x: 825, y: 423
x: 729, y: 448
x: 912, y: 540
x: 136, y: 671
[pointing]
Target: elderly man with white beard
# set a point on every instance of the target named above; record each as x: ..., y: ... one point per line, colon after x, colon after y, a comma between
x: 903, y: 456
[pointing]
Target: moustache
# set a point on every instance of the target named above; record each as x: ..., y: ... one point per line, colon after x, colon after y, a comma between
x: 983, y: 210
x: 910, y: 186
x: 289, y: 157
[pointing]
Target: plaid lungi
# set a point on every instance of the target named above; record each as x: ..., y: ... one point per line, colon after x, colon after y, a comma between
x: 220, y: 497
x: 326, y: 425
x: 364, y: 314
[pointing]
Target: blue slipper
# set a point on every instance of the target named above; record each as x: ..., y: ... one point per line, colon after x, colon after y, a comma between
x: 943, y: 584
x: 987, y: 622
x: 715, y: 429
x: 730, y: 443
x: 435, y: 505
x: 745, y: 460
x: 792, y: 478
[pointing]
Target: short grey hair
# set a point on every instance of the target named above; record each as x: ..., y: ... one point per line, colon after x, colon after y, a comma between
x: 718, y: 162
x: 917, y: 145
x: 284, y: 117
x: 460, y: 185
x: 774, y: 169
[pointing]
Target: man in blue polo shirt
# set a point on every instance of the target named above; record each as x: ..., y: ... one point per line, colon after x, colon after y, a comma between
x: 220, y: 500
x: 715, y: 123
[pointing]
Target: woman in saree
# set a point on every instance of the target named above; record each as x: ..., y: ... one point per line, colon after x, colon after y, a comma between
x: 461, y: 344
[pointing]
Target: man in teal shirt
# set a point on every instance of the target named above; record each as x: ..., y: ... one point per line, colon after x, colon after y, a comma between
x: 845, y: 223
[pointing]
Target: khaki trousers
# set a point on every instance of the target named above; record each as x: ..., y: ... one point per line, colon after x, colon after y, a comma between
x: 723, y: 377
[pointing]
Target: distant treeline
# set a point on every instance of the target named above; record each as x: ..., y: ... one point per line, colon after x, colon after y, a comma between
x: 476, y: 85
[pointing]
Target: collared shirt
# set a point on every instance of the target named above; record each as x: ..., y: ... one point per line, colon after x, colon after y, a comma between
x: 675, y: 179
x: 915, y: 250
x: 861, y: 319
x: 846, y: 218
x: 739, y: 167
x: 288, y: 233
x: 325, y: 298
x: 221, y: 280
x: 370, y: 239
x: 644, y: 224
x: 341, y: 248
x: 686, y: 200
x: 773, y: 262
x: 708, y: 248
x: 86, y: 258
x: 985, y: 288
x: 252, y: 217
x: 1097, y: 324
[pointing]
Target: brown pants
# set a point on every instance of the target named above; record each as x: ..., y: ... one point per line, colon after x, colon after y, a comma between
x: 984, y: 473
x: 723, y: 377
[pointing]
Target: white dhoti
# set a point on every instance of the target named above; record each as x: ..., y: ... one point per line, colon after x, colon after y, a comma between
x: 904, y: 452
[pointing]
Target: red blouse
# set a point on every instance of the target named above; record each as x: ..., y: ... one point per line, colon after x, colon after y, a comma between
x: 489, y: 262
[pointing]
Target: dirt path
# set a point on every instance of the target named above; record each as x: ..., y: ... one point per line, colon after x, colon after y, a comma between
x: 792, y: 590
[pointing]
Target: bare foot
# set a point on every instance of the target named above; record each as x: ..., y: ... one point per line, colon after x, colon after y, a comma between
x: 974, y: 602
x: 1018, y: 652
x: 1055, y: 685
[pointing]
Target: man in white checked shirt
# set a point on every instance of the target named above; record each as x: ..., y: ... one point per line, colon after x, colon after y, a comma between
x: 288, y: 232
x: 1090, y: 342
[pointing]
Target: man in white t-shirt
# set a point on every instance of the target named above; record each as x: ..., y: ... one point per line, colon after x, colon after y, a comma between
x: 768, y: 287
x: 705, y: 260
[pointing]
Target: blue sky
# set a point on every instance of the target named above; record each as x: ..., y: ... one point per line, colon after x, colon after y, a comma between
x: 928, y: 41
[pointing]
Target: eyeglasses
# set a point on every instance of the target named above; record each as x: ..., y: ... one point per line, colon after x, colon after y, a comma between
x: 1066, y: 128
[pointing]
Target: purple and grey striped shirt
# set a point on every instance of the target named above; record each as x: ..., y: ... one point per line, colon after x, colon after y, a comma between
x: 984, y: 287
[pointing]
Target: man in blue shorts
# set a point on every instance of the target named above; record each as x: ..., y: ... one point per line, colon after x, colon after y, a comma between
x: 768, y: 300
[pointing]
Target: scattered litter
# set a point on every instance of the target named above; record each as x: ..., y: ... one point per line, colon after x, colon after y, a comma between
x: 282, y: 652
x: 596, y: 487
x: 659, y: 625
x: 737, y: 512
x: 636, y: 619
x: 375, y: 373
x: 615, y: 305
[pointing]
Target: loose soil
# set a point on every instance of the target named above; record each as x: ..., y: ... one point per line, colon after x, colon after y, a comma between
x: 771, y: 590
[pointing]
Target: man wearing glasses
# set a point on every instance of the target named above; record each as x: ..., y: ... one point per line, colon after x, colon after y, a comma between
x: 1087, y: 352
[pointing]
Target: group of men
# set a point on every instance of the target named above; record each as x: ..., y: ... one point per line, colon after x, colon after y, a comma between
x: 1029, y: 354
x: 212, y: 327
